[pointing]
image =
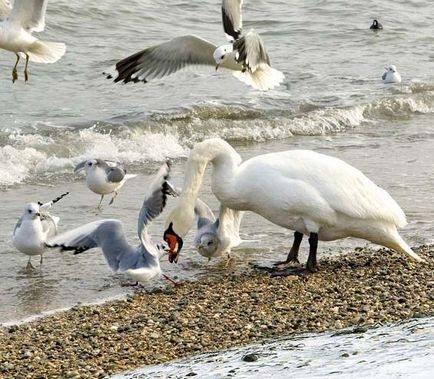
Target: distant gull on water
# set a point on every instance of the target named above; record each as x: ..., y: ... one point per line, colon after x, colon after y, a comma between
x: 104, y: 177
x: 140, y: 263
x: 34, y: 228
x: 245, y: 55
x: 16, y: 27
x: 391, y: 75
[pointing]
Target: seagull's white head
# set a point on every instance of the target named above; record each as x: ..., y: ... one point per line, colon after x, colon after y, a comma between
x: 392, y: 68
x: 220, y: 54
x: 31, y: 211
x: 207, y: 245
x: 89, y: 165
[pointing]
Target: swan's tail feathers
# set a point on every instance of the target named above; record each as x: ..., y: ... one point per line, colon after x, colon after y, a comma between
x: 46, y: 52
x: 401, y: 246
x: 263, y: 78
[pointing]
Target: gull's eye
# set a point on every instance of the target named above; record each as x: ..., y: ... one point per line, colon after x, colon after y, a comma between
x: 209, y: 243
x: 30, y: 211
x: 222, y: 57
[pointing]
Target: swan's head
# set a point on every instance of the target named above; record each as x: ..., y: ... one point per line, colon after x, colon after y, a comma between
x: 31, y: 211
x: 178, y: 223
x: 89, y: 165
x: 220, y: 54
x: 207, y: 245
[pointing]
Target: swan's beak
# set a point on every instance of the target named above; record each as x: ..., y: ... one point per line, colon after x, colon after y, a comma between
x: 174, y: 243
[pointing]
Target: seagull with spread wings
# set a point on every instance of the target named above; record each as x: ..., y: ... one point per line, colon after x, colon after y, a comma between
x: 140, y: 263
x: 26, y: 17
x: 245, y: 55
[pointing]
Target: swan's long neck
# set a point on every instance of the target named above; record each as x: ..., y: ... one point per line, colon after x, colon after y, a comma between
x: 224, y: 159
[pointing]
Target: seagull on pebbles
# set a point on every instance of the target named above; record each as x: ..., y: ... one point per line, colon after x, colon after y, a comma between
x: 245, y: 55
x: 140, y: 263
x: 16, y: 27
x: 103, y: 177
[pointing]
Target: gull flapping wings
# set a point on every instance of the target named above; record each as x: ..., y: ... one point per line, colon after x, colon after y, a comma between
x: 154, y: 203
x: 232, y: 18
x: 251, y: 51
x: 105, y: 234
x: 30, y: 14
x: 5, y: 9
x: 165, y: 59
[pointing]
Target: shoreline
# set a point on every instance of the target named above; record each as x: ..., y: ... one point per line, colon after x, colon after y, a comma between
x: 361, y: 289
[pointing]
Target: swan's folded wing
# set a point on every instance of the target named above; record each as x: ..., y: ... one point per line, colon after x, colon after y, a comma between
x: 154, y: 203
x: 232, y: 18
x: 29, y: 14
x: 105, y: 234
x: 251, y: 51
x: 164, y: 59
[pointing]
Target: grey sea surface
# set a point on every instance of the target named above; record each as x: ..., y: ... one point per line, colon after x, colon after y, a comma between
x: 333, y: 101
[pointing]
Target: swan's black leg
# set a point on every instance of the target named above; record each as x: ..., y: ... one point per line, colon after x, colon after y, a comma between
x: 311, y: 265
x: 293, y: 253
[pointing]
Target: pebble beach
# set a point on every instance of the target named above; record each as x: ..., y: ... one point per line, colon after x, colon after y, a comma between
x: 362, y: 289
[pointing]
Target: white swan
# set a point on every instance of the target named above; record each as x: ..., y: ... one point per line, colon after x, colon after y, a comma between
x: 310, y: 193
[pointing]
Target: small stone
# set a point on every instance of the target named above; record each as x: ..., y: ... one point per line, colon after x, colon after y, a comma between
x: 250, y: 357
x: 345, y: 355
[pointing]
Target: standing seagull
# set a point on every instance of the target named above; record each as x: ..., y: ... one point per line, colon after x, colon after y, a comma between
x: 34, y: 228
x: 391, y: 75
x: 26, y: 17
x: 103, y: 178
x: 140, y: 263
x: 245, y: 55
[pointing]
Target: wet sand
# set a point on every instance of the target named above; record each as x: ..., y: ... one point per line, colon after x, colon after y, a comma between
x: 363, y: 288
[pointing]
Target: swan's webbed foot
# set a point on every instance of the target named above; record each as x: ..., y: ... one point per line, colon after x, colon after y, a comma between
x: 293, y: 253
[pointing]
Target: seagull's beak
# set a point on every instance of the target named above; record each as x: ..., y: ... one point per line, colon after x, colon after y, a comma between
x: 37, y: 214
x: 217, y: 66
x: 79, y: 167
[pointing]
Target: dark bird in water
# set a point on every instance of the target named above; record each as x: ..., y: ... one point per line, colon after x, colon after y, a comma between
x: 376, y: 25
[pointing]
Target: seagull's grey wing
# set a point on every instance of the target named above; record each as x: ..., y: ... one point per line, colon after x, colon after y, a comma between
x: 115, y: 174
x: 384, y: 76
x: 203, y: 214
x: 251, y: 51
x: 30, y: 14
x: 17, y: 225
x: 232, y: 18
x: 165, y: 59
x: 154, y: 204
x: 108, y: 235
x: 5, y: 9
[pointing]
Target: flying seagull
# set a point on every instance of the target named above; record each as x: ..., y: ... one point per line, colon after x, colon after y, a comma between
x: 140, y: 263
x: 245, y: 55
x: 16, y: 28
x: 103, y: 177
x: 391, y: 75
x: 34, y: 228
